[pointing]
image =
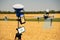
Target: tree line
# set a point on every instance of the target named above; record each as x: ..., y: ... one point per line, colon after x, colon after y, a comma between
x: 34, y: 12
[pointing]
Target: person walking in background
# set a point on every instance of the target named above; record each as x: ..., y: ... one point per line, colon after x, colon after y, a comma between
x: 48, y: 19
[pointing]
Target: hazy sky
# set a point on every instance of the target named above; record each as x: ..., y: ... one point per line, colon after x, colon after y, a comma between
x: 30, y: 5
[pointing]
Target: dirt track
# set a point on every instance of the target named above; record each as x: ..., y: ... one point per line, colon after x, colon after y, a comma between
x: 34, y: 31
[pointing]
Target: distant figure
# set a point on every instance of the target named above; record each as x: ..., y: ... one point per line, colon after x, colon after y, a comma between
x: 5, y: 18
x: 48, y: 19
x: 38, y: 19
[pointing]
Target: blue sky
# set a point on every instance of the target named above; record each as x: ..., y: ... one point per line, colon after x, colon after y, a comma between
x: 30, y: 5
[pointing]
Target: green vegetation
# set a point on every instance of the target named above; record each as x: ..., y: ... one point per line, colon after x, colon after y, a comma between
x: 38, y: 12
x: 55, y: 19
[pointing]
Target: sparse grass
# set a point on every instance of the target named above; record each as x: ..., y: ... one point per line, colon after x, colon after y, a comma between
x: 55, y: 19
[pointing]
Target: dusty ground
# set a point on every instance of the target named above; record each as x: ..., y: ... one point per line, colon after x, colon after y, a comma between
x: 33, y: 31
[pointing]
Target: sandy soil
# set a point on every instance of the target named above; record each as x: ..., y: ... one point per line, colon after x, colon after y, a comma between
x: 33, y: 31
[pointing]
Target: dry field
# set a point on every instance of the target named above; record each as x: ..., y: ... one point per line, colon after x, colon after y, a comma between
x: 33, y: 29
x: 13, y: 16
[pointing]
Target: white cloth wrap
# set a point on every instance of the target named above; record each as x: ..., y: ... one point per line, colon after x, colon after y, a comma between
x: 47, y: 23
x: 21, y: 30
